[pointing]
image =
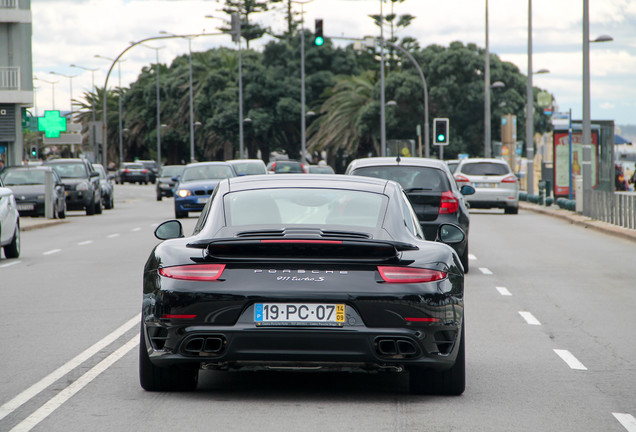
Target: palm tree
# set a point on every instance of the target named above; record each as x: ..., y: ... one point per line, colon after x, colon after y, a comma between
x: 338, y: 129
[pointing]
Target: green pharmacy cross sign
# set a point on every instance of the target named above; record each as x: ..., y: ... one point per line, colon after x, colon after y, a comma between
x: 52, y: 124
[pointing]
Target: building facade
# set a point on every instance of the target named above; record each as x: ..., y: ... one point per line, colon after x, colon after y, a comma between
x: 16, y: 77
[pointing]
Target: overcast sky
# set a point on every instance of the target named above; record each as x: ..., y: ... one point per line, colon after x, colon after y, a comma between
x: 69, y: 32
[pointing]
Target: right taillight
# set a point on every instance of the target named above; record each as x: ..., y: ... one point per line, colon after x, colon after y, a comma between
x: 409, y: 274
x: 461, y: 179
x: 448, y: 204
x: 509, y: 179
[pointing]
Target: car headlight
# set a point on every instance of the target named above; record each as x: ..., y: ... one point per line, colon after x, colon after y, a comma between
x: 82, y: 186
x: 184, y: 193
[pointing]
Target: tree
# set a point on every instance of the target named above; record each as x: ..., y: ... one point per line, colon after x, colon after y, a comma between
x: 245, y: 8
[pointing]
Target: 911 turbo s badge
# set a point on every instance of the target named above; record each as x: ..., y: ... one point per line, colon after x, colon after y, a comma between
x: 301, y: 275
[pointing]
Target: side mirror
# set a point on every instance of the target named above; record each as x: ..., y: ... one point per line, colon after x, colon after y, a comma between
x: 467, y: 190
x: 450, y: 234
x: 175, y: 178
x: 171, y: 229
x: 94, y: 174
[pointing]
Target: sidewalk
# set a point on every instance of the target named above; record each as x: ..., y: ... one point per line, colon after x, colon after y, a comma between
x: 578, y: 219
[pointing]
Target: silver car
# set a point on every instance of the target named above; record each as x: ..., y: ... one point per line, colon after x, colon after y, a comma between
x: 496, y: 186
x: 9, y: 223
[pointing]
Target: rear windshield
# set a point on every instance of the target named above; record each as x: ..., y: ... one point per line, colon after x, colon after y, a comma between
x: 288, y: 167
x: 411, y: 178
x: 70, y: 170
x: 207, y: 172
x: 302, y: 206
x: 249, y: 168
x: 171, y: 171
x: 485, y: 169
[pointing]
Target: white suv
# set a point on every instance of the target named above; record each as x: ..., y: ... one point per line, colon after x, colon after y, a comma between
x: 496, y: 186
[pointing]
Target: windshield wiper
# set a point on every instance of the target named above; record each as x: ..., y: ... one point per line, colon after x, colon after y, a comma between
x: 417, y: 189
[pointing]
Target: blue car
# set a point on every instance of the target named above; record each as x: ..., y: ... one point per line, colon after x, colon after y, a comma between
x: 197, y: 184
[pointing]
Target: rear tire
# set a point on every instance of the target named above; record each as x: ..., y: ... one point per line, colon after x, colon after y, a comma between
x: 90, y: 208
x: 172, y: 378
x: 450, y: 382
x: 12, y: 250
x: 511, y: 210
x: 465, y: 260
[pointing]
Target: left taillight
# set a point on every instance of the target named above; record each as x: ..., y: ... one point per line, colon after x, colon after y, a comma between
x: 449, y: 203
x: 409, y: 274
x: 198, y: 272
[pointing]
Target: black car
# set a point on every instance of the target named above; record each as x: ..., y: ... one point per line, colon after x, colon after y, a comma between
x: 132, y: 172
x: 153, y: 169
x: 28, y: 186
x: 81, y: 184
x: 285, y: 167
x: 166, y: 180
x: 302, y: 272
x: 431, y: 189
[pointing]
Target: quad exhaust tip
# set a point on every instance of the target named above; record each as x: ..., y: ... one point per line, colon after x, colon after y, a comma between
x: 204, y: 345
x: 396, y: 347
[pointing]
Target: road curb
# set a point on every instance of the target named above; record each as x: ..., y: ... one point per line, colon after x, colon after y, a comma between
x: 33, y: 225
x: 580, y: 220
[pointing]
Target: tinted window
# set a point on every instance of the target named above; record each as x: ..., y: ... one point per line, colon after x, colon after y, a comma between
x: 290, y: 206
x: 171, y: 171
x: 23, y: 177
x: 249, y: 168
x: 485, y: 169
x: 70, y: 170
x: 288, y: 167
x: 409, y: 177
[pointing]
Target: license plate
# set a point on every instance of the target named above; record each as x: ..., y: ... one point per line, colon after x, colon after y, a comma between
x: 202, y: 200
x: 486, y: 185
x: 308, y: 314
x: 26, y: 207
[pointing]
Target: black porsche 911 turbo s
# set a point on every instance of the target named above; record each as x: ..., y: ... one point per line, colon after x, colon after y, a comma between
x: 304, y: 272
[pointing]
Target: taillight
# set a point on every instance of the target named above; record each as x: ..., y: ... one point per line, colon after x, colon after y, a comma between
x: 198, y: 272
x: 460, y: 178
x: 305, y: 169
x: 509, y: 179
x: 409, y: 274
x: 449, y: 203
x: 144, y: 171
x: 126, y: 170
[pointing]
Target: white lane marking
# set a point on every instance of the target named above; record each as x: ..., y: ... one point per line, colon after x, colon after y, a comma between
x: 56, y: 401
x: 572, y: 361
x: 472, y: 257
x: 9, y: 264
x: 84, y: 243
x: 136, y: 229
x: 503, y: 291
x: 530, y: 319
x: 485, y: 271
x: 52, y: 251
x: 112, y: 235
x: 627, y: 420
x: 39, y: 386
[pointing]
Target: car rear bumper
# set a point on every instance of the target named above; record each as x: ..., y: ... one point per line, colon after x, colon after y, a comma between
x: 78, y: 200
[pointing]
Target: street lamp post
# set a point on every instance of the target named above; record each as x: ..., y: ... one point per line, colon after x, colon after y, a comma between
x: 158, y: 106
x: 121, y: 130
x: 487, y: 132
x: 52, y: 90
x: 92, y: 128
x: 303, y: 115
x: 587, y: 132
x: 382, y: 96
x: 70, y: 81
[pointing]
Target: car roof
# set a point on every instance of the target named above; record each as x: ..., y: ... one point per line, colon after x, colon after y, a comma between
x: 28, y: 168
x: 66, y: 160
x: 233, y: 161
x: 495, y: 160
x: 332, y: 181
x: 406, y: 161
x: 194, y: 164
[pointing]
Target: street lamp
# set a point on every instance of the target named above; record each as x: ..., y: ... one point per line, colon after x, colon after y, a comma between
x: 487, y: 132
x: 382, y: 100
x: 52, y: 89
x: 70, y: 81
x: 121, y: 130
x: 587, y: 133
x: 92, y: 128
x: 158, y: 105
x: 189, y: 38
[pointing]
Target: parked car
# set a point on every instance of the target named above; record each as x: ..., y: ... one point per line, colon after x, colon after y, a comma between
x: 248, y: 166
x: 28, y: 186
x: 496, y: 185
x: 153, y: 169
x: 452, y: 164
x: 9, y: 223
x: 81, y: 183
x: 107, y: 186
x: 285, y: 167
x: 314, y: 272
x: 197, y: 183
x: 431, y: 189
x: 166, y: 180
x: 133, y: 172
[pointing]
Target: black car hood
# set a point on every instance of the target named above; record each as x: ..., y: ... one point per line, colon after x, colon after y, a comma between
x: 27, y: 190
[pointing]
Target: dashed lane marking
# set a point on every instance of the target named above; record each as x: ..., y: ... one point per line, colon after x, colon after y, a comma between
x: 9, y: 264
x: 84, y: 243
x: 530, y: 319
x: 485, y: 271
x: 627, y: 420
x: 571, y: 361
x: 52, y: 251
x: 503, y: 291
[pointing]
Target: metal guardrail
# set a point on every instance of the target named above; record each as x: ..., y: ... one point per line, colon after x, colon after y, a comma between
x: 9, y: 77
x: 617, y: 208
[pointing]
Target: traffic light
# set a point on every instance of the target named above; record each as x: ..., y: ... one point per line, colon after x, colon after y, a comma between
x: 34, y: 152
x: 235, y: 27
x: 440, y: 131
x: 319, y: 38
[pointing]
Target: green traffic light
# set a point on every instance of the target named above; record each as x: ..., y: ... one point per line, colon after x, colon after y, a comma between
x: 441, y: 138
x: 319, y: 41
